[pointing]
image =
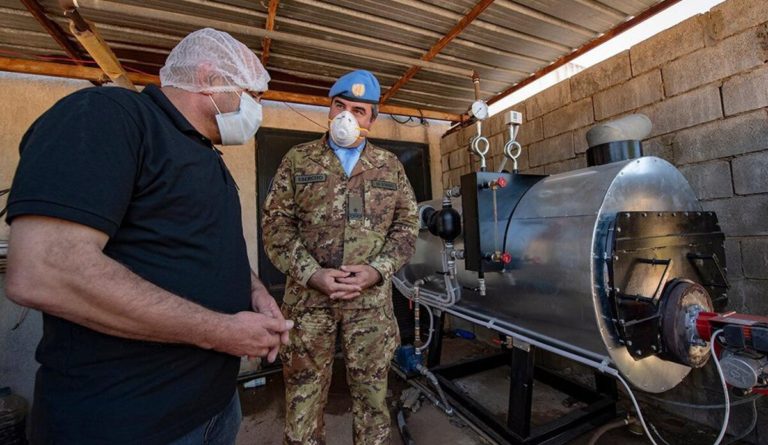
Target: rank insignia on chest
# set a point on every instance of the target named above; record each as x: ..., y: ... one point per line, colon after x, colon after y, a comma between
x: 309, y: 179
x: 354, y: 207
x: 384, y: 185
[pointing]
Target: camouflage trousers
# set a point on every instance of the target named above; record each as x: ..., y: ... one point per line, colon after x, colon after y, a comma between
x: 369, y: 338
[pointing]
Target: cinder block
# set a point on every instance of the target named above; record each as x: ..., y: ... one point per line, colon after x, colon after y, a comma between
x: 677, y: 41
x: 661, y: 147
x: 733, y: 260
x: 640, y: 91
x: 748, y: 296
x: 466, y: 134
x: 449, y: 142
x: 746, y: 92
x: 457, y: 159
x: 709, y: 180
x: 755, y: 257
x: 522, y: 161
x: 551, y: 150
x: 565, y: 166
x: 497, y: 144
x: 534, y: 170
x: 575, y: 115
x: 750, y: 173
x: 741, y: 215
x: 455, y: 177
x: 445, y: 160
x: 493, y: 126
x: 687, y: 110
x: 601, y: 76
x: 728, y: 57
x: 550, y: 99
x: 730, y: 137
x: 531, y: 131
x: 580, y: 144
x: 730, y: 17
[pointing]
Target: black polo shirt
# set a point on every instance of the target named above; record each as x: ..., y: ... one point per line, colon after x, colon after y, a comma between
x: 130, y: 165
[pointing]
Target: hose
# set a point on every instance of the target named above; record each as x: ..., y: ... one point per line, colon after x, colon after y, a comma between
x: 610, y: 426
x: 402, y: 426
x: 433, y: 380
x: 725, y: 393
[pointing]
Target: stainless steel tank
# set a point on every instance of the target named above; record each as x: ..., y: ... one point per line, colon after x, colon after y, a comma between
x: 553, y: 239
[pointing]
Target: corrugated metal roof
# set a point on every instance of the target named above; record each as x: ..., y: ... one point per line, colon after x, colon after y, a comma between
x: 505, y: 44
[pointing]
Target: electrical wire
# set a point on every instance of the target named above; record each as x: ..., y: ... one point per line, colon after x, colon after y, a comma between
x: 410, y: 119
x: 324, y: 127
x: 727, y: 405
x: 727, y: 401
x: 752, y: 398
x: 751, y: 426
x: 405, y: 123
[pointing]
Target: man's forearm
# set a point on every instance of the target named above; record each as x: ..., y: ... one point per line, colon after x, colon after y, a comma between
x: 95, y: 291
x: 256, y: 284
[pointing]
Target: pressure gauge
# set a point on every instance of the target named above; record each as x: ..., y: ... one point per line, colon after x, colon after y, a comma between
x: 480, y: 110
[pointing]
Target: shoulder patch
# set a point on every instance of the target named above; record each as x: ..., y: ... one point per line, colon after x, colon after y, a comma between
x: 384, y: 185
x: 309, y: 179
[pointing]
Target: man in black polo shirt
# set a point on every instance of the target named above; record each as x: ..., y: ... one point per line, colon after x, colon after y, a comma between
x: 126, y: 233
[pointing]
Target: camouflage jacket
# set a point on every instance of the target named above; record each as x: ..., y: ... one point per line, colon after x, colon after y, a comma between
x: 315, y: 216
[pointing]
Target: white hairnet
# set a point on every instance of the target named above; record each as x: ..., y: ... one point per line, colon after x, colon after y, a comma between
x: 232, y: 65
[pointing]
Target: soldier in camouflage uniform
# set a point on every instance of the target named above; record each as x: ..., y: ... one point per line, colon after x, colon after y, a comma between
x: 339, y: 228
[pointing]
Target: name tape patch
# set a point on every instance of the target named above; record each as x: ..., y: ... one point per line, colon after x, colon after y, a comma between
x: 309, y: 179
x: 384, y: 185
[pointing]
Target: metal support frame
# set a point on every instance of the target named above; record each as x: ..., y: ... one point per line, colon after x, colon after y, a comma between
x: 518, y: 429
x: 436, y: 347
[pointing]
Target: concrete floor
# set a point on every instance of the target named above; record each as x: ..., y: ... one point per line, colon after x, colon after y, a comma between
x: 263, y: 409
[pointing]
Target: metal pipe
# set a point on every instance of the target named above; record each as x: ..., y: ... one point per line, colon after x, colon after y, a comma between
x: 589, y: 358
x: 417, y: 316
x: 432, y: 398
x: 447, y: 408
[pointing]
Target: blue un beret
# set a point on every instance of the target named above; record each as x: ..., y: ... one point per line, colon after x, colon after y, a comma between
x: 357, y: 86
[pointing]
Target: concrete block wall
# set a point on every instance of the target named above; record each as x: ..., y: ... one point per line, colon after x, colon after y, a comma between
x: 704, y: 85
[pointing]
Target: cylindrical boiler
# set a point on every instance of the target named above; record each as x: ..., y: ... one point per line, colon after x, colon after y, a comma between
x: 563, y: 281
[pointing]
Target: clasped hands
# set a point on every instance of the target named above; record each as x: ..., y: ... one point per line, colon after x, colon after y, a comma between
x: 345, y: 283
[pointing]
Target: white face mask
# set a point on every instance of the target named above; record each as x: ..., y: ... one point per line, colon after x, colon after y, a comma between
x: 344, y: 129
x: 237, y: 127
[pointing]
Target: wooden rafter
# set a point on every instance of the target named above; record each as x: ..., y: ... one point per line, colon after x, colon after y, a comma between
x: 270, y: 26
x: 481, y: 6
x: 54, y: 30
x: 618, y: 29
x: 86, y: 33
x: 97, y: 75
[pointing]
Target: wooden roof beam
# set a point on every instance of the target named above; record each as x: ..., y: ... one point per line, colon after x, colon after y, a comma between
x: 481, y: 6
x: 270, y: 26
x: 54, y: 30
x: 89, y: 37
x: 97, y: 75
